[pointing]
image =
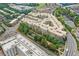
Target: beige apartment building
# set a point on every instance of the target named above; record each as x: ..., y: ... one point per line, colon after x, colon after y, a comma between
x: 45, y: 23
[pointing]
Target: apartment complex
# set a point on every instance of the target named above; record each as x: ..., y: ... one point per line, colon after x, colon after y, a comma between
x: 45, y: 23
x: 21, y: 46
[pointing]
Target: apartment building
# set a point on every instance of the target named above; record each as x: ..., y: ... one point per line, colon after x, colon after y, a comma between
x: 45, y: 23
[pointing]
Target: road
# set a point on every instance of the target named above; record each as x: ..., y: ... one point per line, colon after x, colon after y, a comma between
x: 71, y: 46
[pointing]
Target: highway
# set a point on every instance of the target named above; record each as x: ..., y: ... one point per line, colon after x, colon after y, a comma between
x: 71, y: 46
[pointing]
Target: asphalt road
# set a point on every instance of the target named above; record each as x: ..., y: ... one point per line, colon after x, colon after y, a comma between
x: 71, y: 46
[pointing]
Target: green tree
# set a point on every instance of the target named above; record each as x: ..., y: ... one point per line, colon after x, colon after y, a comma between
x: 24, y: 28
x: 37, y: 38
x: 44, y: 42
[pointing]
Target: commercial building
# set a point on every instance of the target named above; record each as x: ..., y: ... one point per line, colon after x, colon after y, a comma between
x: 45, y: 23
x: 19, y: 45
